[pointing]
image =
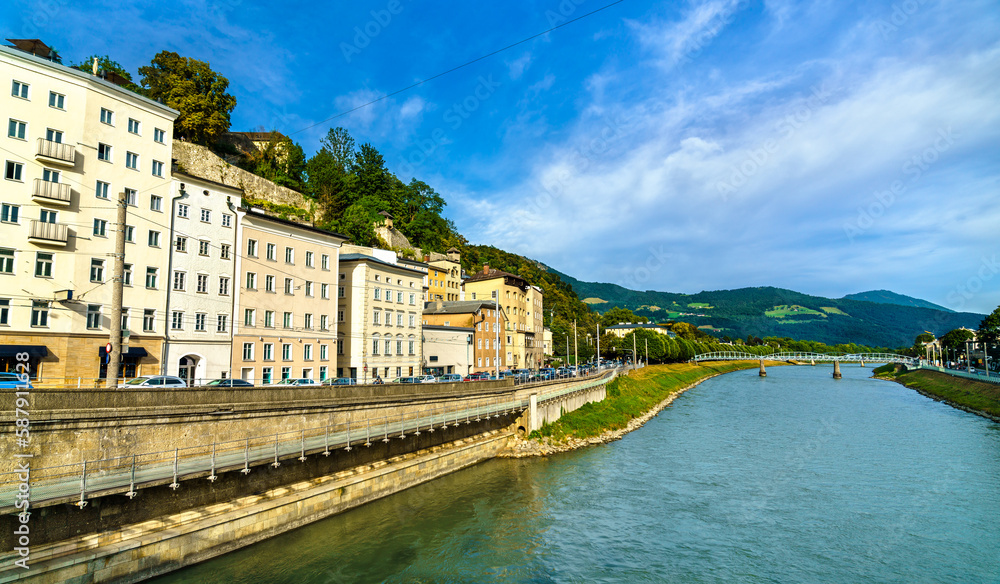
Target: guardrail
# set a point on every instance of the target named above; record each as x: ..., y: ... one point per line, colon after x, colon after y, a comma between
x: 978, y: 376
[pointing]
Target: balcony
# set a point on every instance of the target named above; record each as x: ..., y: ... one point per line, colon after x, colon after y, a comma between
x: 55, y: 153
x: 48, y: 233
x: 50, y: 193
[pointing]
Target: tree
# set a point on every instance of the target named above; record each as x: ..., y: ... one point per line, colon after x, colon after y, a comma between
x: 685, y: 330
x: 922, y: 339
x: 192, y: 88
x: 105, y: 64
x: 955, y: 339
x: 282, y: 162
x: 618, y: 315
x: 989, y: 328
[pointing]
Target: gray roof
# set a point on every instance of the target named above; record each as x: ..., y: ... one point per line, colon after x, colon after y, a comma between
x: 458, y: 307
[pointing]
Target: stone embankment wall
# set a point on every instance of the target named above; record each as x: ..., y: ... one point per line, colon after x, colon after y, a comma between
x: 202, y: 162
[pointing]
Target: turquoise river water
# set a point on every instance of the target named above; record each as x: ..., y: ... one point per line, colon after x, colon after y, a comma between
x: 795, y: 477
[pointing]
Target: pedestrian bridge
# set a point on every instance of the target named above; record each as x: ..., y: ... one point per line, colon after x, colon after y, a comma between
x: 808, y: 357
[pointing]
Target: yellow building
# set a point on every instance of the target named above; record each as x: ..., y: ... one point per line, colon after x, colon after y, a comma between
x: 523, y: 306
x: 490, y: 350
x: 444, y: 276
x: 74, y: 142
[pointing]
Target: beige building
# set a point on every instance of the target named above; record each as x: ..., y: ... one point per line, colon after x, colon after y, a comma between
x: 623, y: 329
x: 74, y: 142
x: 286, y: 304
x: 523, y: 305
x: 448, y: 349
x: 444, y: 276
x: 379, y: 316
x: 490, y: 350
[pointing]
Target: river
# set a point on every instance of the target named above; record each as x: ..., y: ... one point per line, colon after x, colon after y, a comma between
x: 795, y: 477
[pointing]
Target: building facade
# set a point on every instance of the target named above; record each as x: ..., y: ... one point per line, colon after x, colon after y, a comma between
x: 523, y: 305
x: 444, y: 277
x: 380, y: 336
x: 623, y: 329
x: 490, y: 350
x: 286, y: 302
x: 448, y: 349
x: 200, y: 294
x: 75, y: 143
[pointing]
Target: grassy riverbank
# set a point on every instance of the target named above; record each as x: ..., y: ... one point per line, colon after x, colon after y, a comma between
x: 632, y: 396
x: 957, y: 391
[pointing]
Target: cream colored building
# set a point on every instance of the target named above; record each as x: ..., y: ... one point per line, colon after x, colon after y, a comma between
x: 523, y: 305
x: 285, y: 323
x: 381, y: 300
x: 200, y: 296
x: 73, y: 143
x: 623, y: 329
x: 448, y: 349
x: 444, y: 276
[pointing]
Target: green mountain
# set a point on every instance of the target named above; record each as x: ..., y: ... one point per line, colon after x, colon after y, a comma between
x: 888, y: 297
x: 768, y: 311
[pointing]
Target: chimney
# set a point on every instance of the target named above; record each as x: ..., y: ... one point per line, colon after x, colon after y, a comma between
x: 438, y: 306
x: 486, y: 268
x: 95, y: 67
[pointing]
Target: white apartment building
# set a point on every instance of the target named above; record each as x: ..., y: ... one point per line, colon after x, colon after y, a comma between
x: 73, y: 143
x: 200, y: 294
x: 379, y: 316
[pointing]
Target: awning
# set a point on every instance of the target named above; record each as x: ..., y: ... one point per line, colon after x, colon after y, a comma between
x: 32, y: 350
x: 134, y: 352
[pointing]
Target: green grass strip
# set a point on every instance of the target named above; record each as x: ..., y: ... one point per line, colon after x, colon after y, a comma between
x: 976, y: 395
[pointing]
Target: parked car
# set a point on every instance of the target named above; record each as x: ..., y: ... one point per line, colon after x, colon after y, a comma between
x: 409, y: 380
x: 298, y: 381
x: 425, y: 379
x: 451, y: 377
x: 229, y: 382
x: 546, y: 373
x: 479, y: 376
x: 341, y: 381
x: 13, y: 381
x: 154, y: 381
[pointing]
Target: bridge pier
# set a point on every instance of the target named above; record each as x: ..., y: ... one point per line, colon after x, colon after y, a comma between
x: 862, y: 362
x: 836, y: 370
x: 762, y: 373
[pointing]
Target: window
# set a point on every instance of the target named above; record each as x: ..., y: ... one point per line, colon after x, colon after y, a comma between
x: 18, y: 89
x: 222, y: 323
x: 39, y: 313
x: 388, y: 347
x: 107, y: 116
x: 148, y: 320
x: 266, y: 375
x: 324, y: 352
x: 309, y: 259
x: 4, y: 311
x: 43, y: 265
x: 399, y: 319
x: 340, y: 291
x: 203, y: 248
x: 202, y: 287
x: 133, y: 126
x: 289, y: 286
x: 271, y: 251
x: 181, y: 244
x: 93, y: 316
x: 375, y: 346
x: 269, y: 318
x: 324, y: 291
x: 96, y: 270
x: 224, y: 251
x: 155, y: 203
x: 53, y: 135
x: 56, y: 100
x: 286, y: 372
x: 340, y: 348
x: 100, y: 228
x: 252, y: 248
x: 307, y: 352
x: 227, y: 220
x: 151, y: 274
x: 177, y: 320
x: 101, y: 192
x: 182, y: 210
x: 249, y: 317
x: 322, y: 373
x: 269, y: 283
x: 378, y: 294
x: 287, y: 320
x: 399, y: 347
x: 6, y: 260
x: 251, y: 281
x: 268, y: 351
x: 324, y: 262
x: 47, y: 216
x: 157, y: 168
x: 324, y: 322
x: 309, y: 288
x: 9, y: 213
x: 223, y: 286
x: 125, y: 318
x: 413, y: 299
x: 411, y: 347
x: 199, y: 321
x: 413, y: 319
x: 17, y: 129
x: 180, y: 279
x: 206, y: 216
x: 307, y: 322
x: 13, y: 170
x: 376, y: 317
x: 127, y: 274
x: 286, y: 352
x: 154, y: 239
x: 340, y: 316
x: 248, y: 351
x: 289, y: 255
x: 104, y: 152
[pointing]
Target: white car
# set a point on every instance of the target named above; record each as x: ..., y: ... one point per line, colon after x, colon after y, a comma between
x: 298, y: 381
x: 154, y: 381
x: 425, y: 379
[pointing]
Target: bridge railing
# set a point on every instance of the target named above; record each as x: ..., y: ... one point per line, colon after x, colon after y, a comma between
x: 804, y: 356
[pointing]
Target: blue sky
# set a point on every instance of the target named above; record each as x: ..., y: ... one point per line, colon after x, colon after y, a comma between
x: 826, y: 147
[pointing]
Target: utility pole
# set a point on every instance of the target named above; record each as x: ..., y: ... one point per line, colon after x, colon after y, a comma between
x: 567, y: 349
x: 598, y: 345
x: 647, y: 351
x: 496, y: 329
x: 117, y: 290
x: 576, y: 350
